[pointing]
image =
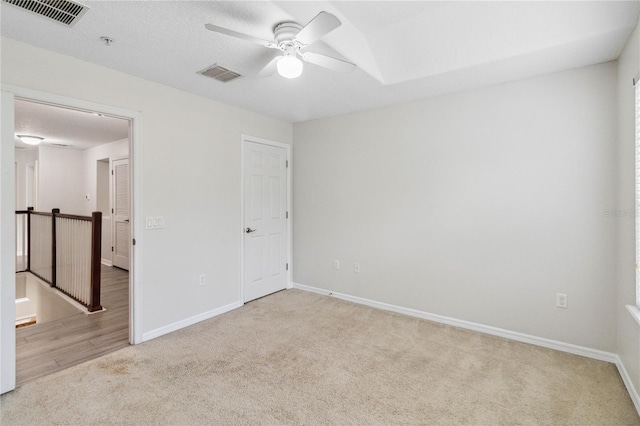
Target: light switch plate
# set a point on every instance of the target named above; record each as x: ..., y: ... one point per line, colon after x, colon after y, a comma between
x: 154, y: 222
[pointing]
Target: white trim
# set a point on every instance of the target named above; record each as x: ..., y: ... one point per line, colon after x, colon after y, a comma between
x: 636, y: 123
x: 7, y: 245
x: 633, y: 393
x: 494, y: 331
x: 106, y: 262
x: 288, y: 148
x: 190, y: 321
x: 635, y: 312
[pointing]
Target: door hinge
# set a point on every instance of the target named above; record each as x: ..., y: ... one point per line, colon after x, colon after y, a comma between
x: 111, y: 172
x: 287, y: 215
x: 287, y: 163
x: 111, y: 248
x: 134, y: 241
x: 287, y: 266
x: 111, y: 211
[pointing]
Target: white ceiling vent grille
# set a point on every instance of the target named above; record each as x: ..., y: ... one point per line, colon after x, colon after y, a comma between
x: 220, y: 73
x: 64, y: 11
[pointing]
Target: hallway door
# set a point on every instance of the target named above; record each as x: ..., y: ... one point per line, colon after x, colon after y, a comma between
x: 120, y: 213
x: 265, y: 220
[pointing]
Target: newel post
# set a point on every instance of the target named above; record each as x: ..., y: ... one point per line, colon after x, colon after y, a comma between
x: 29, y: 210
x: 54, y: 212
x: 96, y: 257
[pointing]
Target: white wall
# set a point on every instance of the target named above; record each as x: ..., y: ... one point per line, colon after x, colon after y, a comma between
x: 23, y: 157
x: 60, y: 180
x: 628, y: 331
x: 66, y: 177
x: 103, y: 198
x: 114, y: 150
x: 480, y: 205
x: 111, y: 151
x: 103, y: 203
x: 191, y: 176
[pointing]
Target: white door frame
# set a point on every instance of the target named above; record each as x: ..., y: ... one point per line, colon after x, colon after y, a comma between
x: 7, y: 222
x: 7, y: 247
x: 288, y: 148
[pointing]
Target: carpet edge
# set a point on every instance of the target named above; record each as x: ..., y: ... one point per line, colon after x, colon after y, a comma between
x: 486, y: 329
x: 166, y: 329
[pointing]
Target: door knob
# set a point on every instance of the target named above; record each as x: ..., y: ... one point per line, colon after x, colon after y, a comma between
x: 249, y: 230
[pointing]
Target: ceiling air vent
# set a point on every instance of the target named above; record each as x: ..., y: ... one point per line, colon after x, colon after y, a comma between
x: 59, y: 144
x: 219, y: 73
x: 64, y: 11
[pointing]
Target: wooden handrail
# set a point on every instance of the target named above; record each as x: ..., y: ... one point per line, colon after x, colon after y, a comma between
x: 72, y: 216
x: 41, y: 213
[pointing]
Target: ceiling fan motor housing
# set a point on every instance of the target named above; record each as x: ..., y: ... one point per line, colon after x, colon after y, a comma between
x: 285, y: 32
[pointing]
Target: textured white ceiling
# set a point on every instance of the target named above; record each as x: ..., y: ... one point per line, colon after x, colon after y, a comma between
x: 77, y: 129
x: 404, y: 50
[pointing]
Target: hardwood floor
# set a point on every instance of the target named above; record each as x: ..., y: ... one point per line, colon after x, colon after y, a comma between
x: 42, y: 349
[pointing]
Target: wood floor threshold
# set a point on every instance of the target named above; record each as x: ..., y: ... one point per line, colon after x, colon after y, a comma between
x: 42, y: 349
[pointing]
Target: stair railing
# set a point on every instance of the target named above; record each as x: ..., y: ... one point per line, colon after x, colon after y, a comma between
x: 62, y: 250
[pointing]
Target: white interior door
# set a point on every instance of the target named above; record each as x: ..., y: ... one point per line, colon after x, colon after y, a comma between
x: 265, y: 230
x: 120, y: 213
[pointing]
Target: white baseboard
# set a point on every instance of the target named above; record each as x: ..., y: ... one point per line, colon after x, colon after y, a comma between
x: 494, y: 331
x: 633, y: 393
x: 189, y: 321
x: 106, y: 262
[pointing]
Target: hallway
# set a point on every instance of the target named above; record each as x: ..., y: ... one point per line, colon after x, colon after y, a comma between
x: 42, y: 349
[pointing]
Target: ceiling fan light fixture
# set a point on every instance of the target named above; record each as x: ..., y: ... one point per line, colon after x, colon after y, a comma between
x: 30, y: 140
x: 289, y: 66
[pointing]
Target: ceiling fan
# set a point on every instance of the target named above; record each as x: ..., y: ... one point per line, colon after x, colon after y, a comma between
x: 291, y: 38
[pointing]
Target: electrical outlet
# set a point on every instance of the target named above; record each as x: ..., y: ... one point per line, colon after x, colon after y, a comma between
x: 336, y: 264
x: 561, y: 300
x: 203, y: 279
x: 356, y: 268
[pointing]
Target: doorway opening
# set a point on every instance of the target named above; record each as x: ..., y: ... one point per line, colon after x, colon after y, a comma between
x: 71, y: 170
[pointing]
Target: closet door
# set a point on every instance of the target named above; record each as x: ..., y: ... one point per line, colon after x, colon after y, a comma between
x: 121, y: 229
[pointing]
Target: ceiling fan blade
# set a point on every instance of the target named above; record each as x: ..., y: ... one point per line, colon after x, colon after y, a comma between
x: 322, y: 24
x: 270, y: 68
x: 222, y: 30
x: 328, y: 62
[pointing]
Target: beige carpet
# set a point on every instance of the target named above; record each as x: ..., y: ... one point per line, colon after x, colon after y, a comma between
x: 301, y: 358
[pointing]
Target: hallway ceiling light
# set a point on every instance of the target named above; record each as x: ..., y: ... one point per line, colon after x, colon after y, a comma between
x: 30, y: 140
